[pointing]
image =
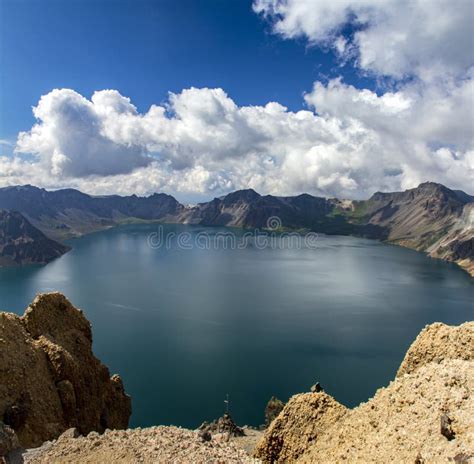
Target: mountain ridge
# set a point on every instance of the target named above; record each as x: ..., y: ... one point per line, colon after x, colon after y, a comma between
x: 431, y: 217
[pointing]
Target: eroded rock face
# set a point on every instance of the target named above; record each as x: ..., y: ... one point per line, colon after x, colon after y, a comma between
x: 438, y: 342
x: 425, y: 415
x: 304, y: 418
x: 50, y: 379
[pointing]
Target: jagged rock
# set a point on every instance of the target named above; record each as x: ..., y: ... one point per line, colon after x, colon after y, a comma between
x: 437, y: 342
x: 8, y: 439
x: 50, y: 380
x: 273, y: 408
x: 316, y: 388
x: 224, y: 424
x: 70, y: 433
x: 401, y: 423
x: 205, y: 435
x: 446, y: 427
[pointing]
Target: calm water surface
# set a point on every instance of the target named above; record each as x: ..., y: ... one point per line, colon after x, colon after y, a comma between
x: 185, y: 327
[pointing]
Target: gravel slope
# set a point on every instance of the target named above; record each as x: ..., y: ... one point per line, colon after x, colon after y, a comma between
x: 150, y: 445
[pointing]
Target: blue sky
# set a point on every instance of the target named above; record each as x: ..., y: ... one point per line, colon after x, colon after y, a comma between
x: 198, y: 98
x: 146, y: 48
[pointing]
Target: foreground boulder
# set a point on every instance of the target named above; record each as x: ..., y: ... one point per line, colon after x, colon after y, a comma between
x: 301, y: 422
x: 50, y: 380
x: 425, y: 415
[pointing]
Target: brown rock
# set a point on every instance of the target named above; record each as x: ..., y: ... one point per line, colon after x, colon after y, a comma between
x: 70, y: 433
x: 316, y: 388
x: 401, y: 423
x: 160, y: 445
x: 407, y: 415
x: 49, y: 378
x: 437, y: 342
x: 446, y: 428
x: 304, y: 418
x: 223, y: 425
x: 273, y: 408
x: 8, y: 439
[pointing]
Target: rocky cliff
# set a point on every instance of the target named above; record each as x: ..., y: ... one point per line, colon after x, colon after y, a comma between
x: 49, y: 378
x: 425, y: 415
x: 429, y: 218
x: 21, y: 243
x: 457, y: 244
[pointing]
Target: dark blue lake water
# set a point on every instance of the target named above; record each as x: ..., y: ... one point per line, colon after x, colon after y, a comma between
x: 184, y: 327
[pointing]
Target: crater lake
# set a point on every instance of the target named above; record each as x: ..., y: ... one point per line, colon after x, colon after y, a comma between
x: 185, y: 325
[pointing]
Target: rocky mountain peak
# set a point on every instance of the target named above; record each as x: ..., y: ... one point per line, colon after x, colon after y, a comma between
x: 247, y: 195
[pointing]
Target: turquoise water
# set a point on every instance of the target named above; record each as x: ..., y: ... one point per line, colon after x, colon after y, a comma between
x: 184, y: 327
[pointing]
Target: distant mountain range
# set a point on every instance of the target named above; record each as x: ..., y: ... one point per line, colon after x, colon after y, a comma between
x: 430, y: 218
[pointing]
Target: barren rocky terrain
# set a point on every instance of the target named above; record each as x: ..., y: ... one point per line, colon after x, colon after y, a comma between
x: 426, y: 415
x: 56, y: 396
x: 49, y: 378
x: 150, y: 445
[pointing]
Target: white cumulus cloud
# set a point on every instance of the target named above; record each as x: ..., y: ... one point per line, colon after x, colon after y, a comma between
x: 350, y: 142
x: 428, y: 39
x: 69, y: 138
